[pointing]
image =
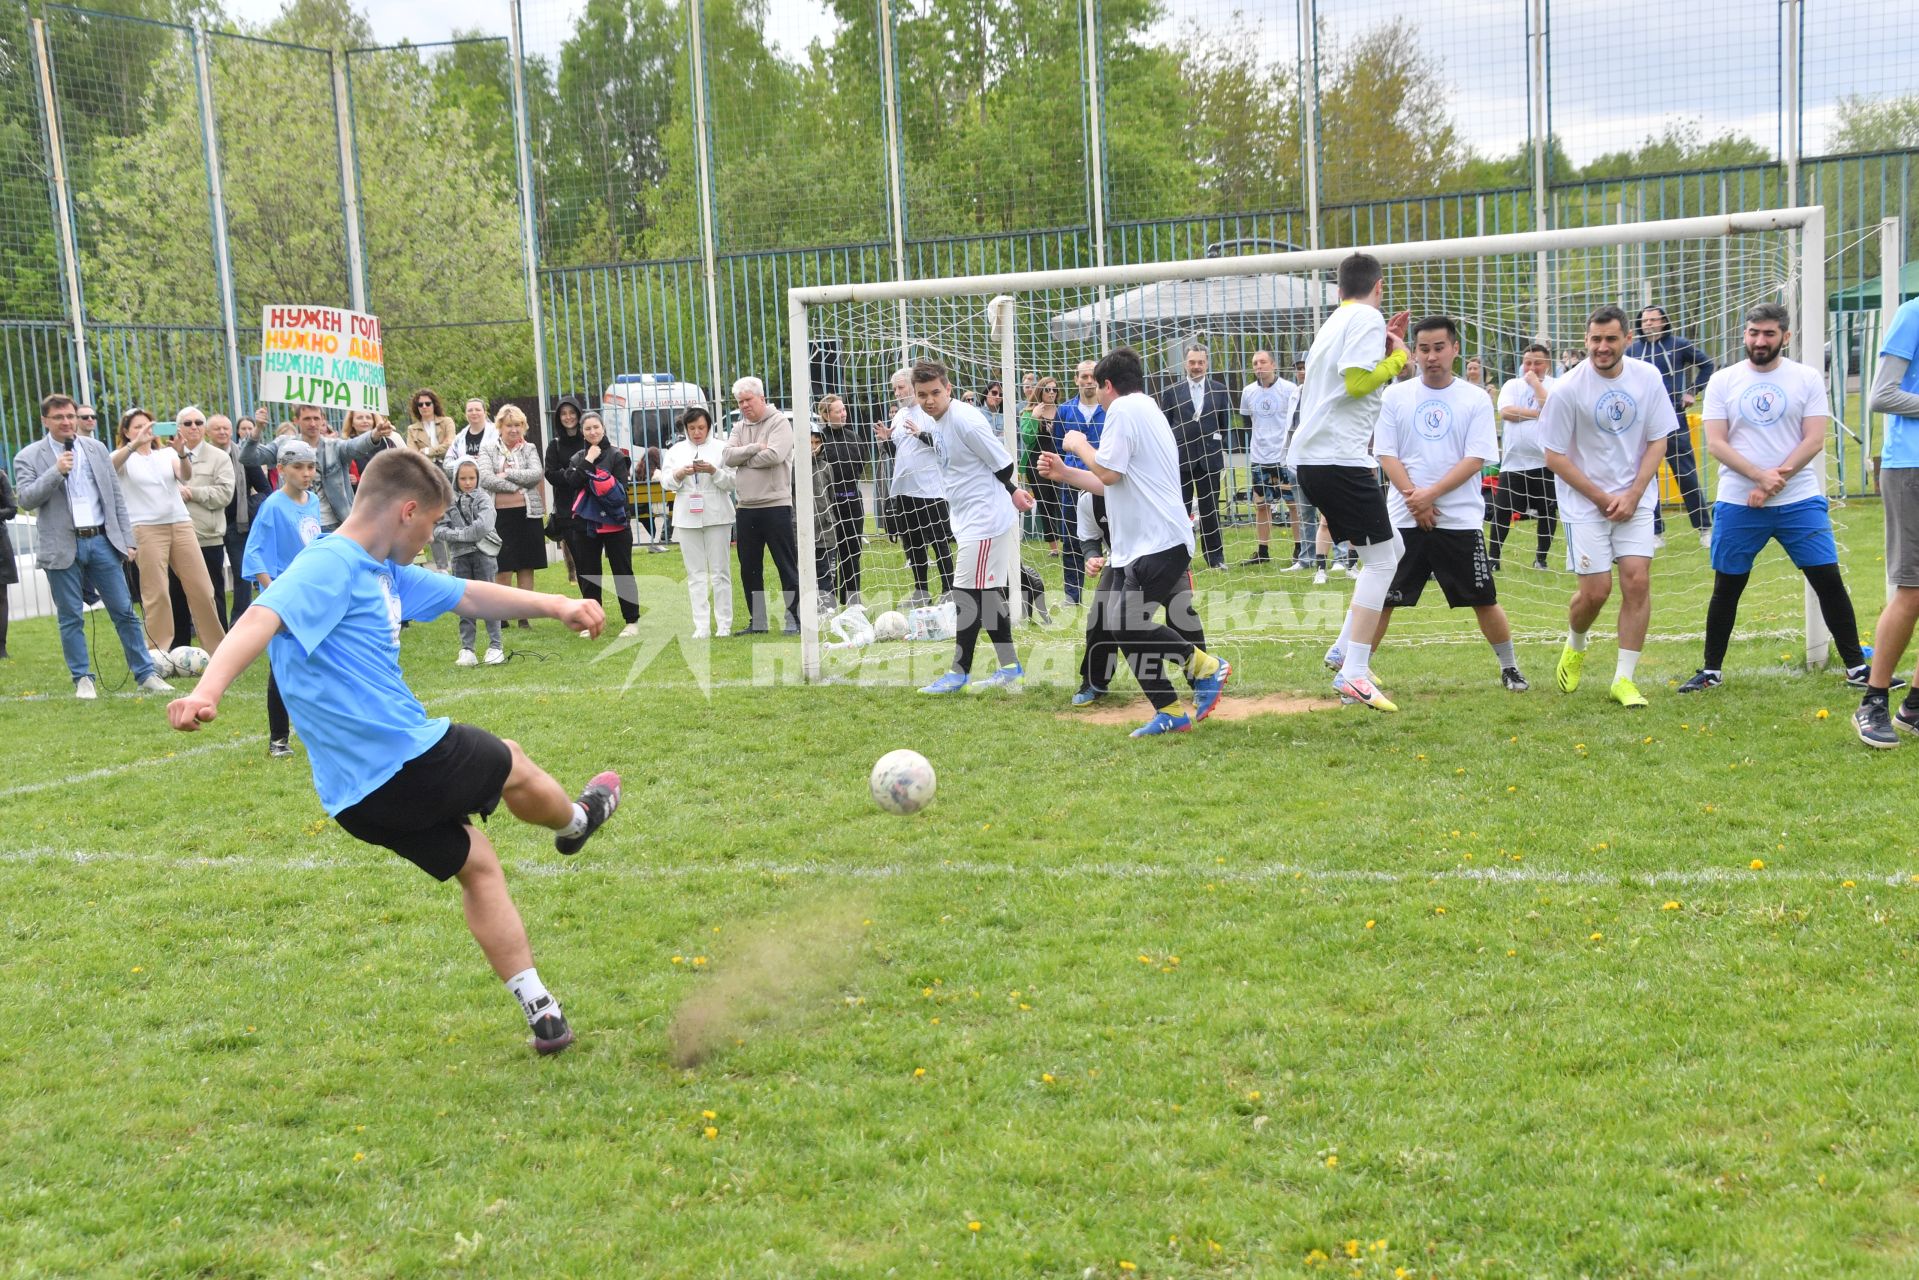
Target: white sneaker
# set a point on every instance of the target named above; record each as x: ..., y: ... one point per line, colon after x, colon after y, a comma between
x: 723, y: 632
x: 1659, y: 542
x: 700, y: 633
x: 95, y: 607
x: 630, y: 630
x: 83, y: 689
x: 154, y: 684
x: 495, y: 656
x: 1319, y: 578
x: 1294, y: 567
x: 1339, y: 567
x: 466, y: 659
x: 1705, y: 539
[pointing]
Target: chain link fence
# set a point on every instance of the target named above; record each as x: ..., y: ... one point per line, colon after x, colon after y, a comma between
x: 572, y: 193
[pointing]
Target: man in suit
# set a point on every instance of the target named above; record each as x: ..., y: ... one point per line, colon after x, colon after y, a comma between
x: 1200, y: 411
x: 334, y: 485
x: 250, y: 489
x: 208, y: 492
x: 84, y: 537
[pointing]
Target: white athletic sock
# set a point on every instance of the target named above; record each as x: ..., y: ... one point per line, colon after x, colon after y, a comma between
x: 1576, y: 641
x: 578, y: 825
x: 535, y: 1000
x: 1345, y: 633
x: 1504, y: 652
x: 1628, y: 663
x: 1359, y: 660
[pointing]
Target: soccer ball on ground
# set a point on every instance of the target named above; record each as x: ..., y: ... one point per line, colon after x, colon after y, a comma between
x: 890, y: 625
x: 163, y: 664
x: 902, y: 782
x: 189, y: 661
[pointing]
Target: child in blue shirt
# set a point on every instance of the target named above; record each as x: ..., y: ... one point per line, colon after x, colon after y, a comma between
x: 387, y: 773
x: 287, y: 521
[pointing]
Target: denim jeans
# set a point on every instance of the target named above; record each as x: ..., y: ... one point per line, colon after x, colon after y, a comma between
x: 97, y: 564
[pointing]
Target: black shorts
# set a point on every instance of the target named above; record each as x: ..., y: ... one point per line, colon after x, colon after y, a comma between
x: 1349, y: 500
x: 421, y: 812
x: 1457, y: 557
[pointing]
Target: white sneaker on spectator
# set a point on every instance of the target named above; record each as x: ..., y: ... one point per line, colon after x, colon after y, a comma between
x: 1319, y: 578
x: 154, y: 684
x: 1705, y: 539
x: 466, y: 659
x: 700, y: 633
x: 494, y: 656
x: 89, y: 608
x: 630, y: 630
x: 83, y: 689
x: 723, y: 632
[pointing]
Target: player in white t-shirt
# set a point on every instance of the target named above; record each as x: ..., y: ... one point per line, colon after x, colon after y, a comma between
x: 976, y: 473
x: 1765, y: 421
x: 1604, y: 431
x: 916, y: 511
x: 1136, y: 468
x: 1435, y: 435
x: 1526, y: 488
x: 1355, y: 354
x: 1267, y: 404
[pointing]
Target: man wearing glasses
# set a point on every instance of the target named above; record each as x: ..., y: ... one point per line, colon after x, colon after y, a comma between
x: 85, y: 419
x: 207, y: 491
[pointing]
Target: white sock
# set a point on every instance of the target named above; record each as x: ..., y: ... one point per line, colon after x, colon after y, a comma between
x: 578, y: 825
x: 535, y: 1000
x: 1345, y: 633
x: 1359, y: 660
x: 1576, y: 641
x: 1504, y: 652
x: 1628, y: 663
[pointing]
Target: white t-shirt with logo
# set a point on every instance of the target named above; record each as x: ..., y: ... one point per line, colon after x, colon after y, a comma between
x: 1336, y: 429
x: 1603, y: 426
x: 1522, y: 438
x: 970, y: 455
x: 1144, y: 508
x: 1271, y: 411
x: 916, y: 468
x: 1765, y: 415
x: 1429, y: 432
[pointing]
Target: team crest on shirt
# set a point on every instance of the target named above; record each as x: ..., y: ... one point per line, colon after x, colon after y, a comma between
x: 1264, y: 402
x: 1762, y: 404
x: 393, y: 610
x: 1433, y: 419
x: 309, y: 529
x: 1615, y: 412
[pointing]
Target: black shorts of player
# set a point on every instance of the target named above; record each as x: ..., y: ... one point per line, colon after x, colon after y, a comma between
x: 421, y: 812
x: 1349, y: 500
x: 1457, y: 557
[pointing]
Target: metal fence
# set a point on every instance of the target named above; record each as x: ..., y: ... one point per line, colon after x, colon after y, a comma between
x: 586, y: 191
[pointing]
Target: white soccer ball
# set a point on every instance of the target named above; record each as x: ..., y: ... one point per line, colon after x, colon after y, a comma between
x: 890, y: 625
x: 902, y: 782
x: 189, y: 661
x: 163, y: 664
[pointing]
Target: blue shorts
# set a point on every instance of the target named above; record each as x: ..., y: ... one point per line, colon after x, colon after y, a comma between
x: 1271, y: 483
x: 1740, y: 532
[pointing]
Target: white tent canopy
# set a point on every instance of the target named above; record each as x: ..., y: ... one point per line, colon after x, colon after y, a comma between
x: 1219, y: 304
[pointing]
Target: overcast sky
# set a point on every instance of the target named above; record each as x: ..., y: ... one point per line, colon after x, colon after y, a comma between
x: 1622, y: 69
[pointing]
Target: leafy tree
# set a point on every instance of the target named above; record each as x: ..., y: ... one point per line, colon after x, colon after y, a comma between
x: 1875, y: 124
x: 1678, y: 147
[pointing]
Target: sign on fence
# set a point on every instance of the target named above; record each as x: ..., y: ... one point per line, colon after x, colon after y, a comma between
x: 322, y: 355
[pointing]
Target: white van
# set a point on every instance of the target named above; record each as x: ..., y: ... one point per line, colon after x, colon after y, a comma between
x: 640, y: 409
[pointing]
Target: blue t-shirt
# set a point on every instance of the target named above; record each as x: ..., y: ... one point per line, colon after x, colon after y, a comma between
x: 280, y: 532
x: 336, y: 659
x: 1072, y: 417
x: 1902, y: 433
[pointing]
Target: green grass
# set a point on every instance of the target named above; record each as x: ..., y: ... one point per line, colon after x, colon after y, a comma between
x: 1429, y: 990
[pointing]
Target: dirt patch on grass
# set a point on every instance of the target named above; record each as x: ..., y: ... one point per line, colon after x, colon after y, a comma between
x: 1136, y: 711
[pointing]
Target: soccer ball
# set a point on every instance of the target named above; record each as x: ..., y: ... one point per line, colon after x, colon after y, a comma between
x: 902, y: 782
x: 890, y: 625
x: 162, y: 663
x: 189, y: 661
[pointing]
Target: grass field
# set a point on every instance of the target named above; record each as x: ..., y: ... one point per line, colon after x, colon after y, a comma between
x: 1503, y: 986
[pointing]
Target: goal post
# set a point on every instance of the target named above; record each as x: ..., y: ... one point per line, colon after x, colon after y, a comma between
x: 1001, y: 327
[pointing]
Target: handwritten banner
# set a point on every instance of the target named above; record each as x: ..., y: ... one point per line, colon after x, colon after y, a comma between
x: 322, y: 355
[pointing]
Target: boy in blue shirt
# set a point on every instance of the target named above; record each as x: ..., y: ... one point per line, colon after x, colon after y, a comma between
x: 287, y: 521
x: 1895, y: 393
x: 384, y: 771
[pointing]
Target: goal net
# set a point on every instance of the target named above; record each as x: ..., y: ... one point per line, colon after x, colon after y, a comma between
x: 1024, y: 332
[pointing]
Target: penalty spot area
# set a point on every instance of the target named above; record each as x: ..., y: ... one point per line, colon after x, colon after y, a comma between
x: 1132, y: 711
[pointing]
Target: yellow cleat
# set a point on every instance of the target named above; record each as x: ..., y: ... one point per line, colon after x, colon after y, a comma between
x: 1571, y: 662
x: 1627, y: 694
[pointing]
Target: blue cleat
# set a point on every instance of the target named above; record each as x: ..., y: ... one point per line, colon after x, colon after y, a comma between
x: 951, y: 682
x: 1163, y: 722
x: 1087, y: 696
x: 1007, y: 677
x: 1206, y: 690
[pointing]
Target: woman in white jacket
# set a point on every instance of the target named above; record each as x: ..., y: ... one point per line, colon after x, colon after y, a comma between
x: 702, y: 489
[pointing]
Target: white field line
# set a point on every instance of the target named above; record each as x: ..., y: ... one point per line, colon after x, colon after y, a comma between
x: 114, y: 770
x: 1117, y: 871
